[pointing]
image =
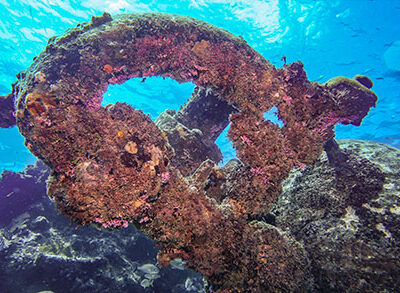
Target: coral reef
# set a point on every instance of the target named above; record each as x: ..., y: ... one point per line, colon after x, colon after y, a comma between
x: 112, y: 165
x: 40, y: 251
x: 345, y: 210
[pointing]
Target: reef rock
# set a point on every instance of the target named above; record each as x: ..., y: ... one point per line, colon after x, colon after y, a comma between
x: 341, y: 214
x: 21, y: 191
x: 345, y: 211
x: 41, y: 250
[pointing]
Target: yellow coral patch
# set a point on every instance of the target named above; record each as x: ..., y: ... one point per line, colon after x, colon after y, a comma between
x: 131, y: 147
x: 219, y: 174
x: 120, y: 134
x: 137, y: 203
x: 181, y: 132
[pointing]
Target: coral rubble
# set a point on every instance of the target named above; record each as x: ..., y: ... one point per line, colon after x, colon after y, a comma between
x: 112, y: 165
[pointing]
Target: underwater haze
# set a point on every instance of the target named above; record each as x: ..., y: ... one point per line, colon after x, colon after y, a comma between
x: 331, y: 38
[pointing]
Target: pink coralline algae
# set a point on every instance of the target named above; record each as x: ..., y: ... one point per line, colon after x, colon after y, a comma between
x: 165, y: 177
x: 113, y: 165
x: 111, y: 224
x: 245, y: 139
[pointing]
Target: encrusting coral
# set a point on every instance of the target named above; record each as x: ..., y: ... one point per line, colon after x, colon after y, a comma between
x: 112, y: 165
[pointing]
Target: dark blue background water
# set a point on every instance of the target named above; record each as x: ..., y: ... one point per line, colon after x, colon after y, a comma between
x: 339, y: 37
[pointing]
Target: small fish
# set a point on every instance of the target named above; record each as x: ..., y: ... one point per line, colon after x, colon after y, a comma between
x: 178, y: 264
x: 152, y: 276
x: 149, y: 269
x: 10, y: 193
x: 3, y: 243
x: 145, y: 283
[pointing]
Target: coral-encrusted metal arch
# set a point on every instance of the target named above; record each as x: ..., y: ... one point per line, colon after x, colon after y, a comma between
x: 111, y: 165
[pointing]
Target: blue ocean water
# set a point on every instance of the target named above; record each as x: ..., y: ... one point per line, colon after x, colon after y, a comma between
x: 331, y: 38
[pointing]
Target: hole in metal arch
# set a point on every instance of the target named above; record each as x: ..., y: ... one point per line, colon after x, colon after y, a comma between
x: 156, y: 94
x: 272, y: 115
x: 153, y: 95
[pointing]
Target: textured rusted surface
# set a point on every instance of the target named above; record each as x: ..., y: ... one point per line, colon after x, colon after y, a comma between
x: 113, y: 165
